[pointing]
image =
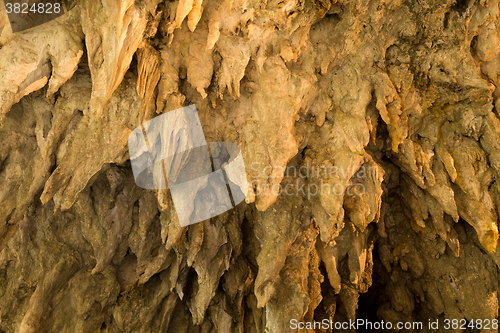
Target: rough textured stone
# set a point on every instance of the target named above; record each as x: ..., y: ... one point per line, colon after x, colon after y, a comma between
x: 370, y: 132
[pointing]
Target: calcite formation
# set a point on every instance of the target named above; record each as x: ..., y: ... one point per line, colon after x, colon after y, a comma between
x: 370, y: 132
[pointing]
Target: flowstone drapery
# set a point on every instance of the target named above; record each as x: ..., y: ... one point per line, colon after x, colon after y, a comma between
x: 370, y: 132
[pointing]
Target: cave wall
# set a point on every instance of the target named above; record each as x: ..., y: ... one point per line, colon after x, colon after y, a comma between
x: 380, y: 118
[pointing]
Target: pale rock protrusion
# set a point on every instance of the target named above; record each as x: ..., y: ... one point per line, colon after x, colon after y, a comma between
x: 36, y: 62
x: 213, y: 29
x: 235, y: 57
x: 184, y: 7
x: 194, y: 15
x: 112, y: 49
x: 149, y: 62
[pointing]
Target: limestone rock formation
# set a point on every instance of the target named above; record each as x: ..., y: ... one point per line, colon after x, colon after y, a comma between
x: 370, y: 132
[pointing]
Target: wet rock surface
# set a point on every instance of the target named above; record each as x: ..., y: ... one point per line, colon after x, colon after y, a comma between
x: 370, y: 133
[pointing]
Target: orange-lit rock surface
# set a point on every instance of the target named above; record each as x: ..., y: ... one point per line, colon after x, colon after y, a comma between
x: 370, y: 132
